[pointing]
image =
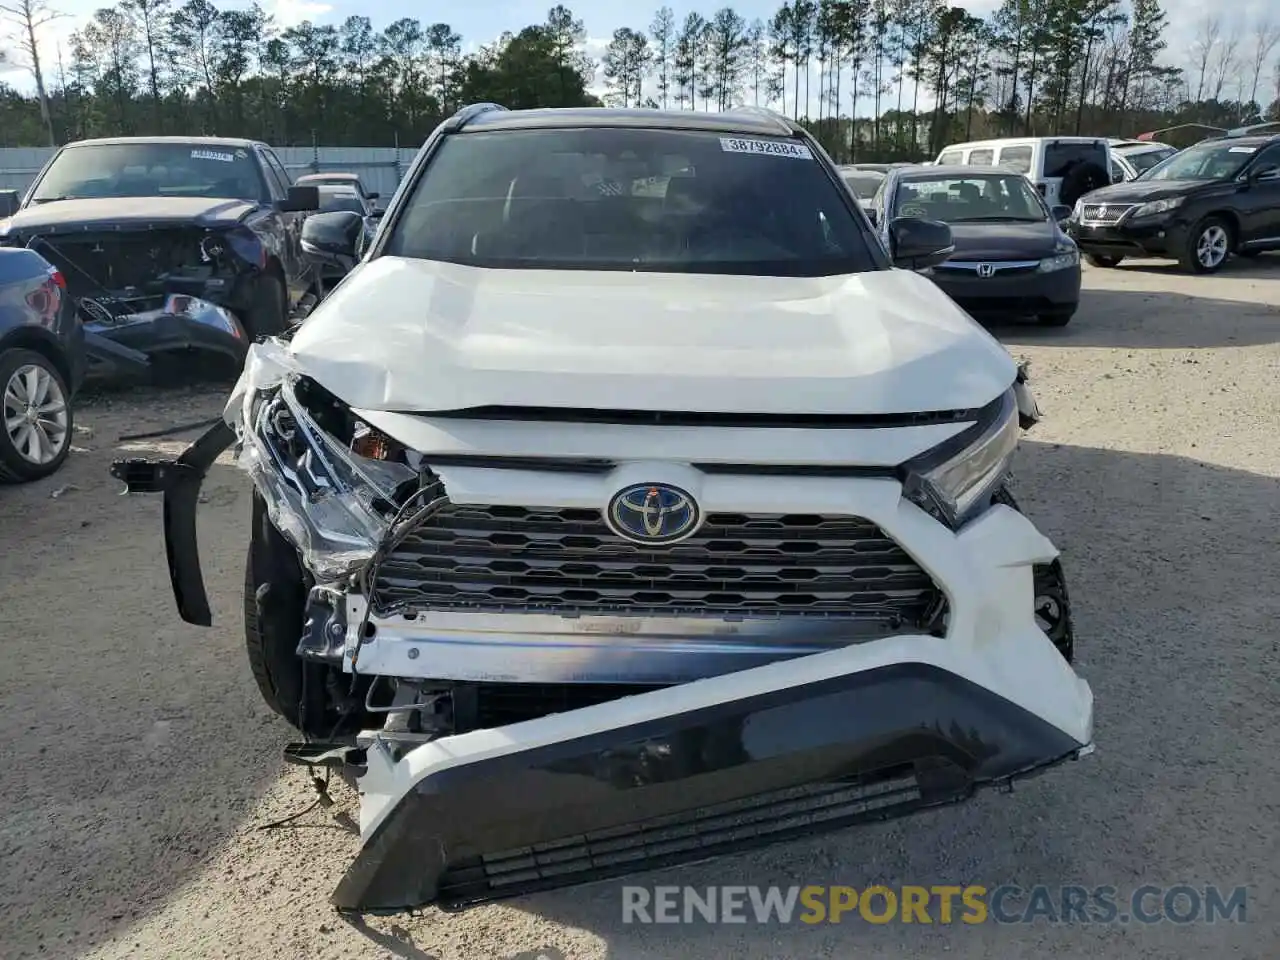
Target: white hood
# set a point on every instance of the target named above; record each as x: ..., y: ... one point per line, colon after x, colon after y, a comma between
x: 417, y: 335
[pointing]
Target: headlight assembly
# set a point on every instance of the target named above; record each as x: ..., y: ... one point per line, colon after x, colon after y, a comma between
x: 955, y: 480
x: 1063, y: 258
x: 332, y: 504
x: 1158, y: 206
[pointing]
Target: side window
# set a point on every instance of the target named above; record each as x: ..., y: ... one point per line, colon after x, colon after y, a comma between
x: 1268, y: 163
x: 277, y: 169
x: 272, y: 176
x: 951, y: 158
x: 1016, y: 158
x: 981, y: 158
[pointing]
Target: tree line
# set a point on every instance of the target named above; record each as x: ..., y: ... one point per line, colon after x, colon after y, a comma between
x: 915, y: 73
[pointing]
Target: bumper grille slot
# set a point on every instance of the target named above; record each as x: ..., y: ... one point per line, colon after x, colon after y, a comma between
x: 567, y: 561
x: 679, y: 838
x: 1104, y: 214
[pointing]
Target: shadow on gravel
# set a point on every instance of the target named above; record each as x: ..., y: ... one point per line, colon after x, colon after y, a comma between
x: 121, y: 723
x: 1172, y: 567
x: 1154, y: 319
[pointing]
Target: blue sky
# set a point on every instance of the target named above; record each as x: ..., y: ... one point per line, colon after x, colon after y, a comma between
x: 480, y: 21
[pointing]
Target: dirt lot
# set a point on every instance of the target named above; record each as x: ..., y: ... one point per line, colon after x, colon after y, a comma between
x: 138, y: 761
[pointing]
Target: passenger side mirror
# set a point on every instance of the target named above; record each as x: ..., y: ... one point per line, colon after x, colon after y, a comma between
x: 1061, y: 212
x: 915, y: 244
x: 332, y: 239
x: 9, y: 201
x: 300, y: 200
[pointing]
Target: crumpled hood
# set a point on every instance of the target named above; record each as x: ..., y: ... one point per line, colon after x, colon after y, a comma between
x: 132, y: 212
x: 1004, y: 241
x: 417, y: 336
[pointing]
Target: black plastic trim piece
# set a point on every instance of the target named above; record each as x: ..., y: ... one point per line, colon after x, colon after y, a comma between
x: 180, y: 482
x: 912, y: 719
x: 689, y: 418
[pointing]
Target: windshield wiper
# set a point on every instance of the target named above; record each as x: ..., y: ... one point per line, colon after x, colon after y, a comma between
x: 51, y: 199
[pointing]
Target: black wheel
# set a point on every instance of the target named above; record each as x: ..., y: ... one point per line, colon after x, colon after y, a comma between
x: 35, y: 417
x: 1101, y: 260
x: 1052, y: 602
x: 275, y: 599
x: 1056, y: 318
x: 1208, y: 246
x: 269, y: 315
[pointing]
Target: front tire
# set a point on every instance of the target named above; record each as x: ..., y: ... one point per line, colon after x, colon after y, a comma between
x: 1103, y: 261
x: 36, y: 419
x: 269, y: 314
x: 1208, y: 246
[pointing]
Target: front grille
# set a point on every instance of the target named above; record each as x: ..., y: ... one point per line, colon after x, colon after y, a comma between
x: 680, y: 838
x: 567, y: 561
x: 1104, y: 213
x: 1012, y: 268
x: 500, y: 704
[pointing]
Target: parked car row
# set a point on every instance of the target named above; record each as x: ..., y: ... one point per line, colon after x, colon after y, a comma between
x: 129, y: 256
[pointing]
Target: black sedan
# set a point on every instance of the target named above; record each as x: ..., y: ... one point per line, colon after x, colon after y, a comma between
x: 1012, y: 259
x: 1198, y: 207
x: 42, y: 363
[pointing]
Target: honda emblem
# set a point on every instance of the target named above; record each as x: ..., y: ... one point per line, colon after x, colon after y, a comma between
x: 986, y: 269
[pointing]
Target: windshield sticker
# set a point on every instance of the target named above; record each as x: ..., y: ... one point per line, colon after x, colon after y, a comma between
x: 242, y: 154
x: 772, y: 148
x: 212, y: 155
x: 1243, y: 150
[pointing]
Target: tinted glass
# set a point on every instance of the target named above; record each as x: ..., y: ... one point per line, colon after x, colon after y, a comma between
x: 1219, y: 160
x: 989, y: 197
x: 151, y: 170
x: 1147, y: 159
x: 981, y: 158
x: 339, y: 198
x: 1060, y: 158
x: 863, y: 184
x: 1016, y: 158
x: 631, y: 199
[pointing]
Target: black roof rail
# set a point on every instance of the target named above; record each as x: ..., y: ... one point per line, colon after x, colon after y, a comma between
x: 752, y: 110
x: 469, y: 112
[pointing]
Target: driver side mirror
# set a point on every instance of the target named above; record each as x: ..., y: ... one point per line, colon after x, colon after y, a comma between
x: 300, y: 200
x: 915, y: 244
x: 871, y: 214
x: 1061, y: 212
x: 333, y: 239
x: 9, y: 202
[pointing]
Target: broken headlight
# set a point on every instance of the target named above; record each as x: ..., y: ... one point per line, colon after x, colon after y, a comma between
x: 334, y: 505
x: 955, y: 480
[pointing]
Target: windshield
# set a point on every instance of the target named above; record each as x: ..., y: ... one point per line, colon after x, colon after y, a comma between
x: 332, y: 199
x: 631, y: 199
x: 864, y: 185
x: 969, y: 199
x: 1144, y: 160
x: 1207, y: 161
x: 151, y: 170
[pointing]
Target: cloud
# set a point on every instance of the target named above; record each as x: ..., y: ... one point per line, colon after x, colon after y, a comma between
x: 290, y: 13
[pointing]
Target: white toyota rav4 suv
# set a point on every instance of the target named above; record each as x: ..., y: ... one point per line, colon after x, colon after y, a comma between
x: 627, y: 504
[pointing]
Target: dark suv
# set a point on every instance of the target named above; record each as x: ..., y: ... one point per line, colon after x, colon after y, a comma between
x: 1198, y: 207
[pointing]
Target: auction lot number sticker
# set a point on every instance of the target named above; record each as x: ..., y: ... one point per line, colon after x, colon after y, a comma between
x: 772, y: 148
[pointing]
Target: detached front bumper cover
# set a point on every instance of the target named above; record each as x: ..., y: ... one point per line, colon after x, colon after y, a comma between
x: 495, y: 822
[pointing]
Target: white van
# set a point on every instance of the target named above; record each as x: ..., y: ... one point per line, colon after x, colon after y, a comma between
x: 1043, y: 160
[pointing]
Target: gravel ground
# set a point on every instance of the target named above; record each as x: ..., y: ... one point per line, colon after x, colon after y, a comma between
x: 139, y: 762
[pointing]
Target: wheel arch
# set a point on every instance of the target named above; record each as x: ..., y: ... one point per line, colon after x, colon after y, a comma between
x: 41, y: 341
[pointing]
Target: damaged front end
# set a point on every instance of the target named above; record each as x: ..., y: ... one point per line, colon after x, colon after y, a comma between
x: 149, y: 296
x: 526, y: 701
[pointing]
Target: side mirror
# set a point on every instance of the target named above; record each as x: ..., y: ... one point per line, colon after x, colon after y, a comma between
x: 9, y: 203
x: 915, y: 244
x: 373, y: 196
x: 1061, y: 212
x: 300, y: 199
x: 333, y: 239
x: 871, y: 214
x: 376, y: 213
